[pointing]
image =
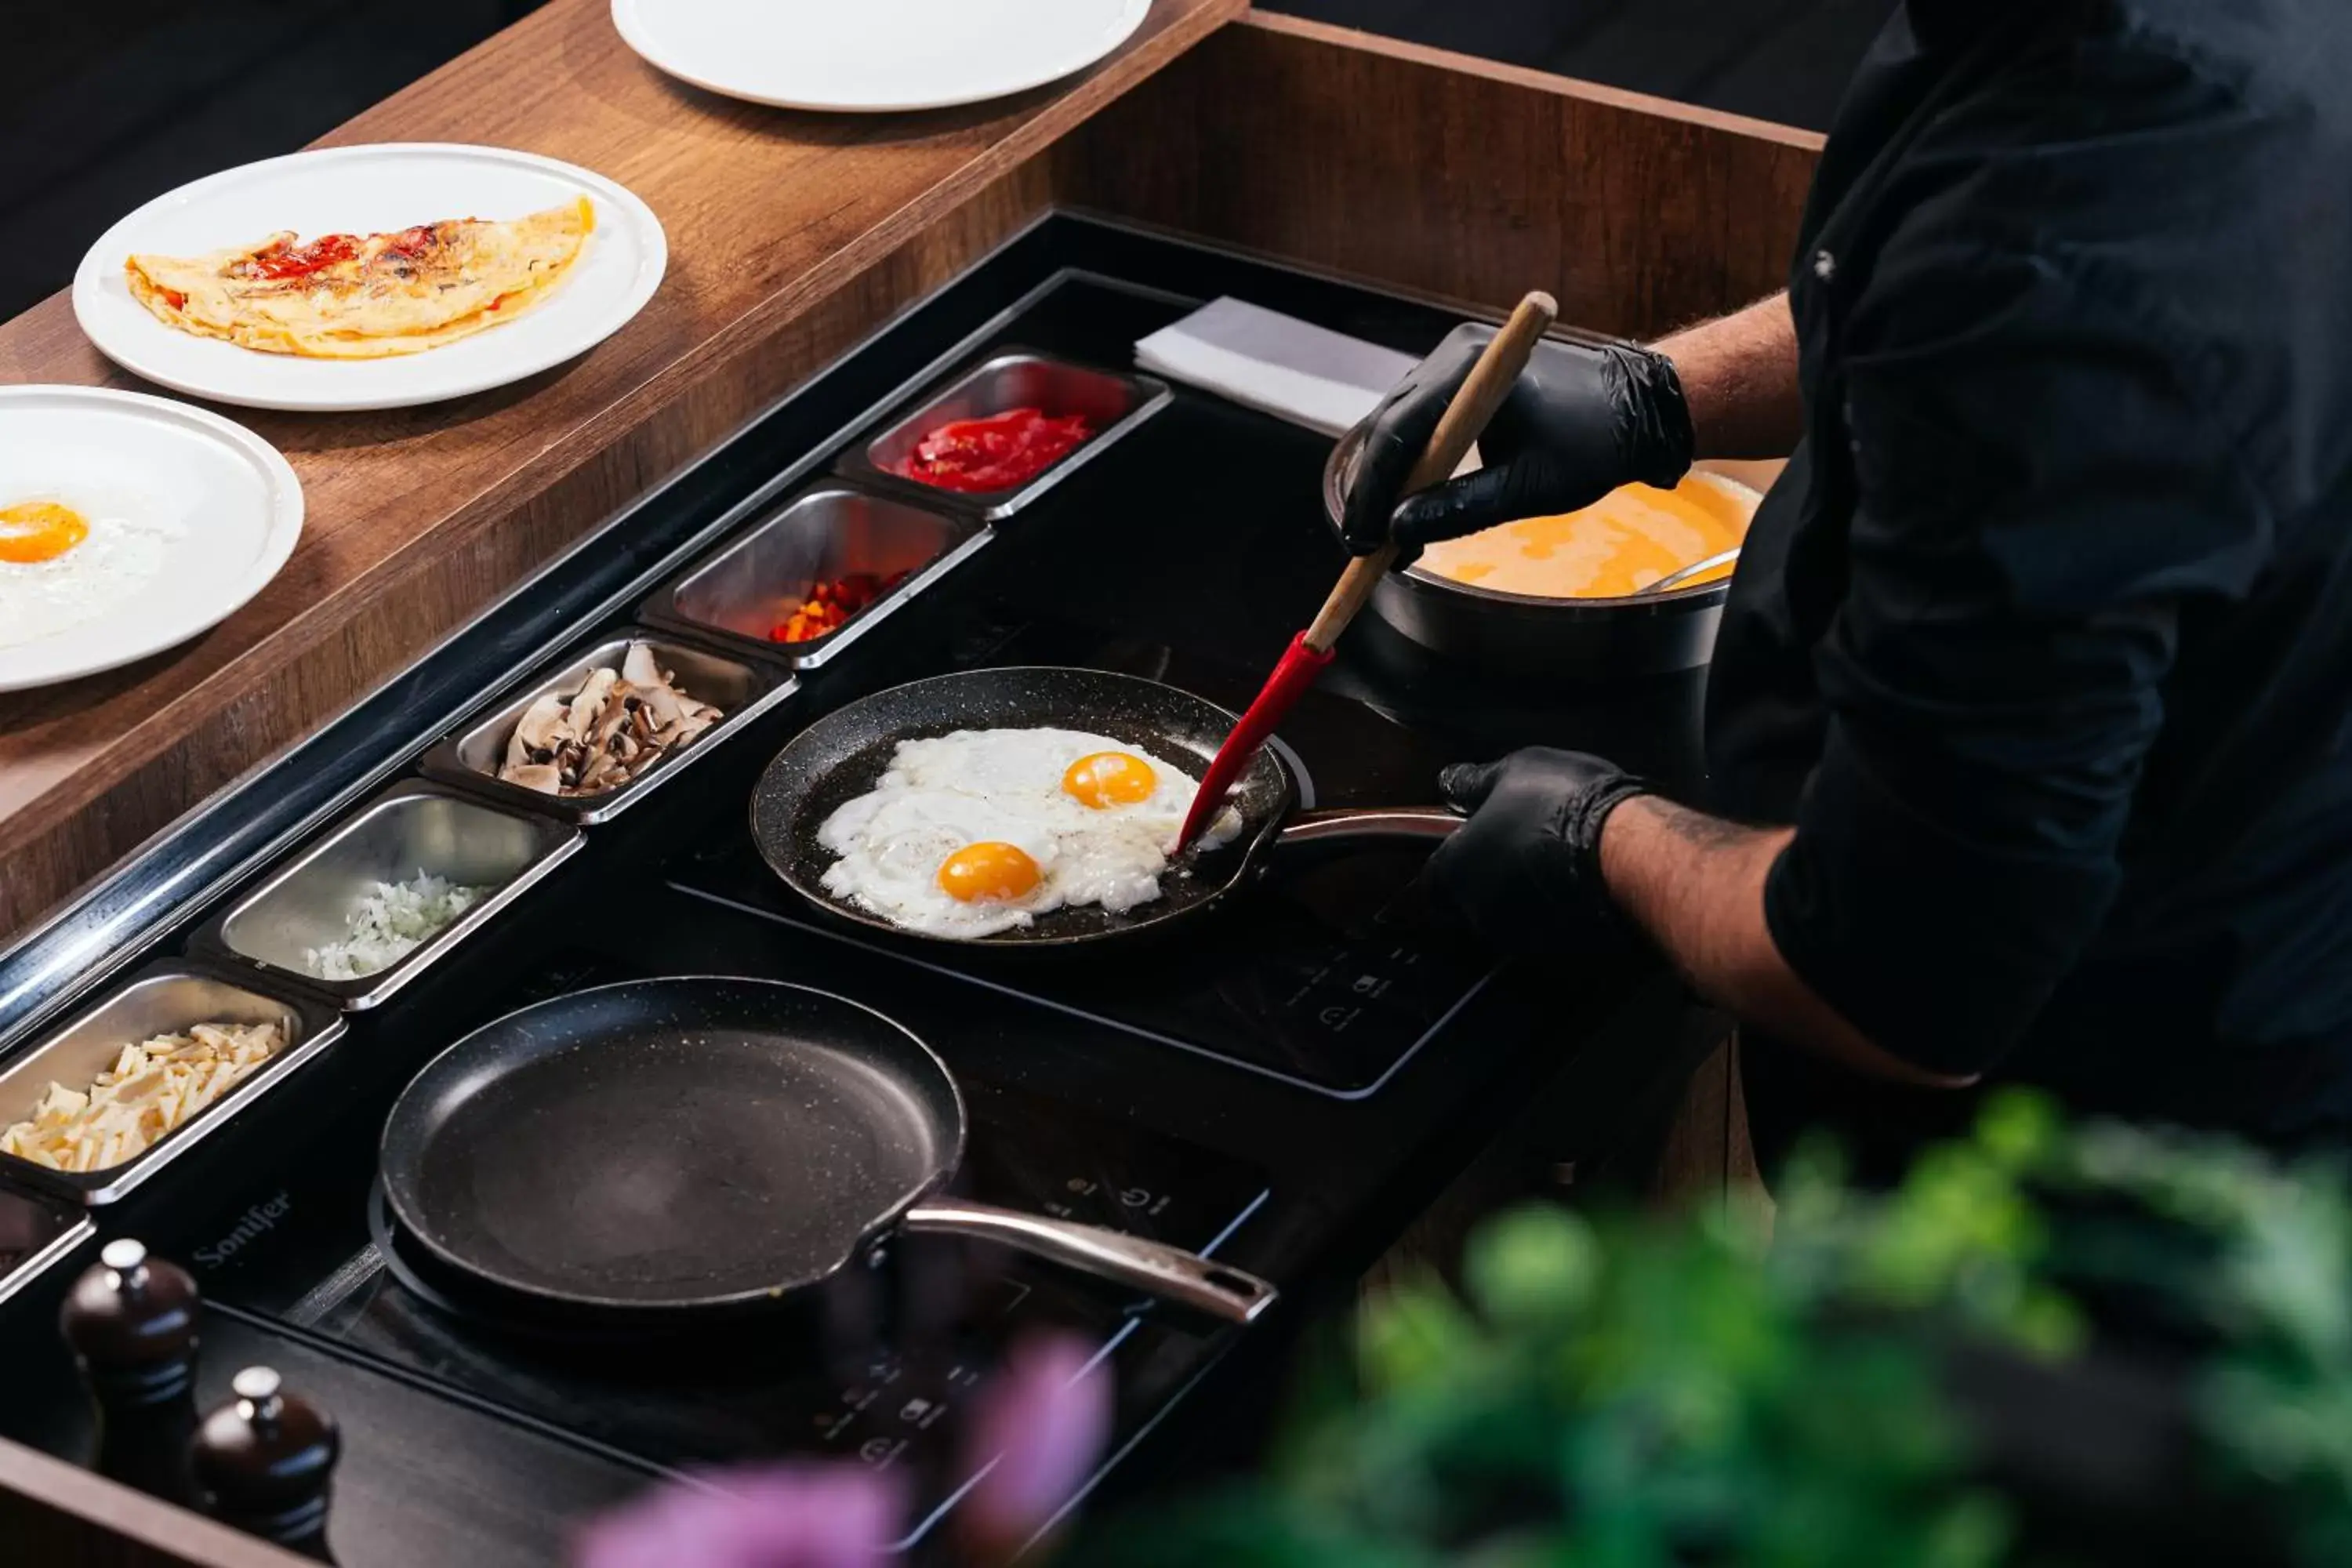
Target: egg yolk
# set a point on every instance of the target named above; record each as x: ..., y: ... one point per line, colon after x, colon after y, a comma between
x: 1105, y: 779
x: 37, y: 531
x: 987, y: 870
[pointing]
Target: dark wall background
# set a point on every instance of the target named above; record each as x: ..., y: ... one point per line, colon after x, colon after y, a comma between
x: 109, y: 104
x: 1777, y: 59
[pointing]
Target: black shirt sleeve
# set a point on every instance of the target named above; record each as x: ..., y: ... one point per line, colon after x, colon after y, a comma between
x: 2042, y: 505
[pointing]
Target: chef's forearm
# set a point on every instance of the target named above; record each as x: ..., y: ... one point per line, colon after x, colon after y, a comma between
x: 1739, y: 375
x: 1695, y: 884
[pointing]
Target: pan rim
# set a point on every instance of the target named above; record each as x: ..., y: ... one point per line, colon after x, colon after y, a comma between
x: 1250, y: 851
x: 624, y: 1306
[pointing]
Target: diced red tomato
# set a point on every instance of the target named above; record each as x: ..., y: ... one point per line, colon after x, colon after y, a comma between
x: 831, y: 603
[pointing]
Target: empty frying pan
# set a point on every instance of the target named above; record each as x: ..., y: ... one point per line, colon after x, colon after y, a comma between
x: 664, y: 1147
x: 843, y: 756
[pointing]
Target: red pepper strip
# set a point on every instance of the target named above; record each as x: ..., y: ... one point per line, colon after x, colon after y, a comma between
x: 301, y: 261
x: 412, y: 243
x: 994, y: 453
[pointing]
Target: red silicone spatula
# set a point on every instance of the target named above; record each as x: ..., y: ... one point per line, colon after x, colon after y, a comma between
x: 1311, y: 650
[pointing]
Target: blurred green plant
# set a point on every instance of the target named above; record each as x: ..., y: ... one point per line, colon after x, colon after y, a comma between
x: 1639, y: 1390
x: 2258, y: 1254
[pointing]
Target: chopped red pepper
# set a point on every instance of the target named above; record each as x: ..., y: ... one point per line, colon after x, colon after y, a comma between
x: 831, y: 603
x: 412, y: 243
x: 301, y: 261
x: 995, y: 453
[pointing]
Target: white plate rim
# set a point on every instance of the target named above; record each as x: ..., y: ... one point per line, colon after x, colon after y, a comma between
x: 623, y: 23
x: 104, y: 256
x: 285, y: 532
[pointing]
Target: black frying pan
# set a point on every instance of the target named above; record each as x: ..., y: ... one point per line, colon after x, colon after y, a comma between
x: 663, y: 1147
x: 843, y: 756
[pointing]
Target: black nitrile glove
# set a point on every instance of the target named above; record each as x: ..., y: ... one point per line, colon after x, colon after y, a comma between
x: 1579, y: 422
x: 1525, y: 870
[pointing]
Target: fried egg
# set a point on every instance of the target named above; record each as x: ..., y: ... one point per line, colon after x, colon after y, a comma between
x: 62, y: 564
x: 984, y: 830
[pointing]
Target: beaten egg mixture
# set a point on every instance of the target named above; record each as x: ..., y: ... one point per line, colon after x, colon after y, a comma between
x: 1619, y: 546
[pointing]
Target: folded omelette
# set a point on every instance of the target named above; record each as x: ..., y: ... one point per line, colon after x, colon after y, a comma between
x: 346, y: 296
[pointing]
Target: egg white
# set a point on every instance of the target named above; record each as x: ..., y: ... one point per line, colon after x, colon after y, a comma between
x: 1004, y: 785
x: 124, y: 551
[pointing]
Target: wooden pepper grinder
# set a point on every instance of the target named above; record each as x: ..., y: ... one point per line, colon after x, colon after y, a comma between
x: 266, y: 1458
x: 132, y: 1322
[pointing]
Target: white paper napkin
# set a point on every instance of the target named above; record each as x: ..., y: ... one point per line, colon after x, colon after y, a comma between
x: 1275, y: 364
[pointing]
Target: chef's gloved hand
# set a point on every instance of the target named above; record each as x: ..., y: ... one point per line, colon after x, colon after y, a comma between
x: 1525, y: 870
x: 1581, y: 421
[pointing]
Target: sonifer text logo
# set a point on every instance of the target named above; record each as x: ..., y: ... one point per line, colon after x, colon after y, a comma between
x: 252, y: 1225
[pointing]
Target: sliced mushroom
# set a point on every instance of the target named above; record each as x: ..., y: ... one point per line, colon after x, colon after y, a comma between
x: 614, y: 720
x: 543, y: 726
x: 602, y: 770
x: 663, y: 705
x: 540, y: 776
x: 618, y: 725
x: 589, y: 705
x: 640, y: 669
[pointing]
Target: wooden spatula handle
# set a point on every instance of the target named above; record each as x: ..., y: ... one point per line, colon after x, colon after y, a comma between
x: 1490, y: 379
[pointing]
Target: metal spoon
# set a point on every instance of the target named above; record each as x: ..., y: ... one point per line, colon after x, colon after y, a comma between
x: 1675, y: 579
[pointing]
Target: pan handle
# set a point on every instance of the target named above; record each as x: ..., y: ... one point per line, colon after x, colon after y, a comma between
x: 1431, y: 825
x: 1170, y: 1272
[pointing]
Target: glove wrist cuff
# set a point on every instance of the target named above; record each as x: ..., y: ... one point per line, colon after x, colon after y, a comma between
x: 1590, y: 815
x: 1658, y: 441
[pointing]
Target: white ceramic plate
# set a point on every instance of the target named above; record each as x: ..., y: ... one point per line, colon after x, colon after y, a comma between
x: 190, y: 516
x: 366, y: 190
x: 869, y: 56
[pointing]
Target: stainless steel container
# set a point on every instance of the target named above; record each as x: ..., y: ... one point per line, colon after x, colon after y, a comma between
x: 736, y: 596
x: 1017, y: 378
x: 162, y: 999
x: 58, y: 1229
x: 1526, y: 636
x: 741, y: 689
x: 409, y: 830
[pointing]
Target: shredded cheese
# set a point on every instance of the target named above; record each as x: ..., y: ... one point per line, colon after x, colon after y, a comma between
x: 152, y: 1087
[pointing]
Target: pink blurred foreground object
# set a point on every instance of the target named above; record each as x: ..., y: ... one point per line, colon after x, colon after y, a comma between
x: 786, y: 1516
x: 1047, y: 1418
x: 1039, y: 1426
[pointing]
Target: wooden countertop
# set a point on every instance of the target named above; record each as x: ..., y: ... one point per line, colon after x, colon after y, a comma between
x: 790, y: 237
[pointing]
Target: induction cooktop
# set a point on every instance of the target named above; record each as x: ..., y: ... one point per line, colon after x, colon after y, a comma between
x: 1330, y: 975
x: 295, y: 1250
